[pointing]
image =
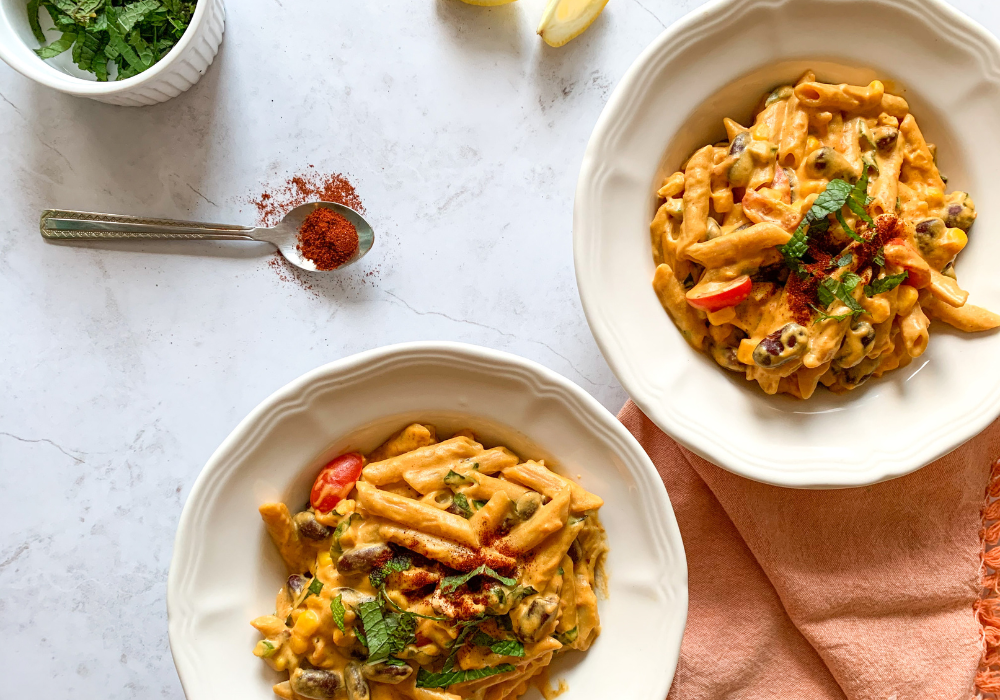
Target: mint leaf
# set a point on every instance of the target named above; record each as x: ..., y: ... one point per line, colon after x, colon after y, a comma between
x: 142, y: 48
x: 36, y: 27
x: 858, y: 199
x: 426, y: 679
x: 797, y: 246
x: 81, y: 11
x: 568, y: 637
x: 886, y: 284
x: 830, y: 289
x: 879, y: 258
x: 847, y: 229
x: 502, y: 647
x: 386, y: 633
x: 453, y: 479
x: 845, y: 260
x: 132, y: 14
x: 462, y: 503
x: 831, y: 200
x: 315, y: 587
x: 60, y: 45
x: 100, y: 66
x: 117, y: 46
x: 450, y: 583
x: 398, y: 562
x: 824, y: 316
x: 337, y: 611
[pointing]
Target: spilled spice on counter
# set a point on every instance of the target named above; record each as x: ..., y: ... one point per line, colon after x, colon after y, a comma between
x: 327, y: 238
x: 277, y: 201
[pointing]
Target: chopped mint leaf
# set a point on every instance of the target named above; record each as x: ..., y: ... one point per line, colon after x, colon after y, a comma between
x: 134, y: 34
x: 830, y: 289
x: 847, y: 228
x: 503, y: 647
x: 568, y: 637
x: 886, y: 284
x: 398, y: 562
x: 36, y: 27
x: 426, y: 679
x: 60, y: 45
x: 845, y: 260
x: 453, y: 479
x: 824, y: 316
x: 462, y: 503
x: 880, y: 256
x: 450, y: 583
x: 337, y: 610
x: 858, y: 199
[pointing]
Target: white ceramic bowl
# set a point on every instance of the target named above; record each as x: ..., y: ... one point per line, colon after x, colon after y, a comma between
x: 717, y: 62
x: 181, y: 68
x: 225, y: 571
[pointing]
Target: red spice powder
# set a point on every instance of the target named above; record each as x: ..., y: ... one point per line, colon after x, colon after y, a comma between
x: 273, y: 204
x: 327, y: 238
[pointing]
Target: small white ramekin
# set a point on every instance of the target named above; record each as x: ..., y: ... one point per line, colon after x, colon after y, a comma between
x: 172, y: 75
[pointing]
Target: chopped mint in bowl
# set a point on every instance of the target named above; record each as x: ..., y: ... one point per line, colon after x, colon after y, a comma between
x: 125, y: 52
x: 110, y: 39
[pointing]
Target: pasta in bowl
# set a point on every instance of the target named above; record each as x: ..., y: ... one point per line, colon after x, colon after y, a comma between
x: 815, y: 245
x: 432, y: 570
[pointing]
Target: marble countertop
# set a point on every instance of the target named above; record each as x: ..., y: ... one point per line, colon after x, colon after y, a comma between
x: 125, y: 366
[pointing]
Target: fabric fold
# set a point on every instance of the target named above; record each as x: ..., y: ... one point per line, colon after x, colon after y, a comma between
x: 867, y: 593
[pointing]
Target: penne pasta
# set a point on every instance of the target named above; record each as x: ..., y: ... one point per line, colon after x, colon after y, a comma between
x: 839, y: 221
x: 429, y: 584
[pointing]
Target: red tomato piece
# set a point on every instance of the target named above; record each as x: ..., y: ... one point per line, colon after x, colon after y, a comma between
x: 718, y: 295
x: 902, y: 253
x: 336, y: 481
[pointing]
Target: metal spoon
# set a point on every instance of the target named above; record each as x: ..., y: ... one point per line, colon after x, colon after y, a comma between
x: 58, y: 224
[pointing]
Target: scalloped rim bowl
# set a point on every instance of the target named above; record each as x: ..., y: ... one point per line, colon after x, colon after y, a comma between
x: 717, y: 62
x: 225, y: 571
x: 179, y: 70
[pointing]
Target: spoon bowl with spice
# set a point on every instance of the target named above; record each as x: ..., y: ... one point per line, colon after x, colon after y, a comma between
x: 318, y: 236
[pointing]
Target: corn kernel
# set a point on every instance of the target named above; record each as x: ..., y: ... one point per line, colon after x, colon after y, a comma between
x: 906, y: 299
x: 307, y: 624
x: 812, y: 143
x: 323, y: 559
x: 298, y: 644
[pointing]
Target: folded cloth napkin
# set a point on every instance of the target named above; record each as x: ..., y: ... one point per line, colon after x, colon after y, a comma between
x: 887, y: 592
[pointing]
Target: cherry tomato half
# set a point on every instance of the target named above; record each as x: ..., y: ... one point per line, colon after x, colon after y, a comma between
x: 719, y: 295
x: 902, y: 253
x: 336, y: 481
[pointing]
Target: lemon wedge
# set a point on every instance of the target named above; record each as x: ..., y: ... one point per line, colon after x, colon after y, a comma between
x: 565, y: 20
x: 487, y: 3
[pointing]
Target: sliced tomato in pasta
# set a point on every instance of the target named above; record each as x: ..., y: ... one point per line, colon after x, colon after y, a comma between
x: 714, y: 296
x: 335, y: 482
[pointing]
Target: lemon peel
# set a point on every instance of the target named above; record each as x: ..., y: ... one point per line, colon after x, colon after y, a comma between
x: 564, y: 20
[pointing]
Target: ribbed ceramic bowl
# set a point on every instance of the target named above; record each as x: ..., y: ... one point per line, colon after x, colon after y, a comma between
x: 173, y: 74
x: 225, y: 571
x: 717, y: 62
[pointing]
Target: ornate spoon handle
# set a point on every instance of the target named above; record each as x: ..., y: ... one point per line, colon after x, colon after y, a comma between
x: 58, y: 224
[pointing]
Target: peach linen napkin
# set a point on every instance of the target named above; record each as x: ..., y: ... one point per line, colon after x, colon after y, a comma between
x: 886, y: 592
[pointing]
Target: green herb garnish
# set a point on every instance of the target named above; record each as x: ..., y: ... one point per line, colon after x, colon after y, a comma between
x: 315, y: 586
x: 269, y: 649
x: 824, y: 316
x: 886, y: 284
x: 453, y: 479
x: 462, y: 503
x: 337, y: 610
x: 131, y: 35
x: 426, y: 679
x: 386, y: 632
x: 830, y: 289
x: 502, y: 647
x: 450, y: 583
x: 398, y: 562
x: 568, y: 637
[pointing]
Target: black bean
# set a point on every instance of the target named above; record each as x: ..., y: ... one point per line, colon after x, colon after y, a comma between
x: 295, y: 584
x: 885, y: 137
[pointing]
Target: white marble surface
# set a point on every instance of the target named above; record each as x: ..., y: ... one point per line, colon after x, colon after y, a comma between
x: 124, y: 367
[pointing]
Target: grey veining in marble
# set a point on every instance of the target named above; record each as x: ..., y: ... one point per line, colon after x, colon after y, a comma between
x: 124, y: 367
